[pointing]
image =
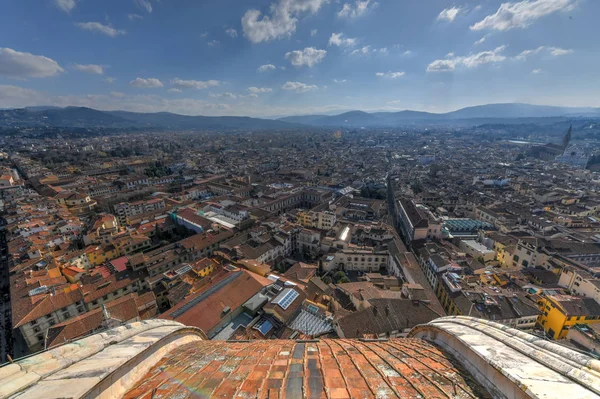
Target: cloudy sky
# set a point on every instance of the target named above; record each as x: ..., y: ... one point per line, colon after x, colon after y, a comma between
x: 285, y: 57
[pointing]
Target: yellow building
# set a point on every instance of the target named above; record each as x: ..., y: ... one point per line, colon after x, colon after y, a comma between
x: 204, y: 267
x: 323, y: 220
x: 262, y: 269
x: 99, y: 255
x: 560, y: 312
x: 305, y: 219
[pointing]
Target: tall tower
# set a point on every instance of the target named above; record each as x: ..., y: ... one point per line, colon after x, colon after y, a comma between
x: 567, y: 138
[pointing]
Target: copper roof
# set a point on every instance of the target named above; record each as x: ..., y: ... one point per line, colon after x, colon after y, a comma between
x: 408, y: 368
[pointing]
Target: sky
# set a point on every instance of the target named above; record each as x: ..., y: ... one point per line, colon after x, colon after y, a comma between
x: 270, y: 58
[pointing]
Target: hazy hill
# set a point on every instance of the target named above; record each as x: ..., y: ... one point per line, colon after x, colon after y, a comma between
x: 490, y: 113
x: 87, y: 117
x: 82, y: 117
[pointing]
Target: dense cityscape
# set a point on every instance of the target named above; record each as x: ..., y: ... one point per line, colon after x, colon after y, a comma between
x: 333, y: 233
x: 299, y: 199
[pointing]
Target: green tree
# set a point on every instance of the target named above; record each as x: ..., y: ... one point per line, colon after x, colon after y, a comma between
x: 338, y: 275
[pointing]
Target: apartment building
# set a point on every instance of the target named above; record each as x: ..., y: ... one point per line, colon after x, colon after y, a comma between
x: 124, y: 210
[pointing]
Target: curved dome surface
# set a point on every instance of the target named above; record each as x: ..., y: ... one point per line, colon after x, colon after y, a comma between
x: 451, y: 357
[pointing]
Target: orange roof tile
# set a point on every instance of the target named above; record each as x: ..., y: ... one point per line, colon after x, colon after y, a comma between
x: 239, y: 286
x: 408, y: 369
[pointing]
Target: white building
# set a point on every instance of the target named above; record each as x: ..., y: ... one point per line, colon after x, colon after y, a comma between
x: 477, y: 250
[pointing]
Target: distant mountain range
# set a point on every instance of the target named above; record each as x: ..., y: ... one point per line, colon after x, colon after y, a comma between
x: 481, y: 114
x: 82, y: 117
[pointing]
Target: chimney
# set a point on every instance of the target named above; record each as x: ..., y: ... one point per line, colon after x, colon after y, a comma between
x: 387, y: 310
x: 375, y: 310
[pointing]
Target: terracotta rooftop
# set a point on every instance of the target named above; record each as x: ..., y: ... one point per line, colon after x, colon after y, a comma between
x: 409, y: 368
x: 123, y: 309
x: 204, y: 309
x: 301, y: 272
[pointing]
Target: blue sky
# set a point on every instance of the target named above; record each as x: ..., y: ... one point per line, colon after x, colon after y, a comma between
x: 286, y: 57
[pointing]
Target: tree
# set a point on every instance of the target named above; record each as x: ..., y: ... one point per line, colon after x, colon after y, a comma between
x: 344, y: 279
x: 338, y: 275
x: 326, y: 280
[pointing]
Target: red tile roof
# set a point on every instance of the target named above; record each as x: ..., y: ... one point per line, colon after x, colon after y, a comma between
x: 122, y: 309
x: 207, y: 313
x: 407, y: 368
x: 120, y: 264
x: 44, y: 304
x: 301, y: 272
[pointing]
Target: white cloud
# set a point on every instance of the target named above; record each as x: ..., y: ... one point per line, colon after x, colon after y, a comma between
x: 340, y: 81
x: 449, y: 14
x: 337, y: 40
x: 485, y: 57
x: 18, y: 97
x: 97, y: 27
x: 194, y: 84
x: 407, y: 53
x: 204, y: 35
x: 15, y: 97
x: 310, y: 57
x: 133, y: 17
x: 368, y: 50
x: 470, y: 61
x: 89, y: 68
x: 117, y: 94
x: 526, y: 53
x: 16, y: 64
x: 441, y: 66
x: 150, y: 83
x: 257, y: 90
x: 298, y: 87
x: 174, y: 90
x: 390, y: 75
x: 521, y: 14
x: 144, y: 5
x: 281, y: 22
x: 247, y: 96
x: 554, y: 51
x: 266, y: 68
x: 110, y: 80
x: 536, y: 71
x: 227, y: 95
x: 213, y: 43
x: 231, y: 32
x: 359, y: 8
x: 65, y: 5
x: 483, y: 39
x: 314, y: 32
x: 362, y: 51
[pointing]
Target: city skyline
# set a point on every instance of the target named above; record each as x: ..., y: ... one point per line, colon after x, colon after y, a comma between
x: 292, y: 57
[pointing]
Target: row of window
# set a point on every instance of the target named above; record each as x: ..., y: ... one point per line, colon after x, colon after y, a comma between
x: 356, y: 259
